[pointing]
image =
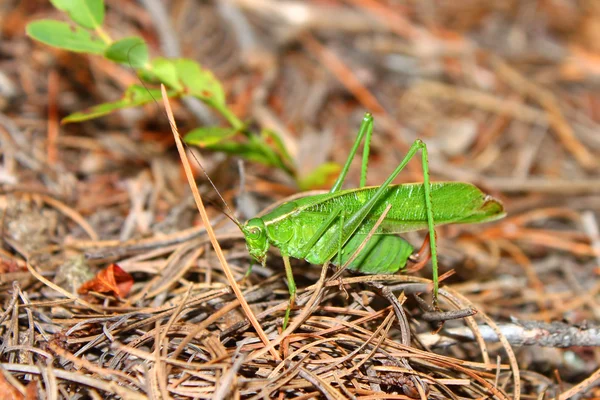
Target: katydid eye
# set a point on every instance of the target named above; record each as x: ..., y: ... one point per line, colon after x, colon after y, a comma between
x: 254, y: 233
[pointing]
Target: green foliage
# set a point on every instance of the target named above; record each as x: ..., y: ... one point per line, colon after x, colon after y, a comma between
x: 135, y: 95
x: 86, y: 13
x: 164, y: 70
x: 132, y: 51
x: 320, y: 176
x: 64, y: 36
x: 200, y: 82
x: 253, y: 148
x: 209, y: 136
x: 183, y: 77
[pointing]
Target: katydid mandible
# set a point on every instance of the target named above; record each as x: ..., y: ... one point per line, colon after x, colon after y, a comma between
x: 331, y: 226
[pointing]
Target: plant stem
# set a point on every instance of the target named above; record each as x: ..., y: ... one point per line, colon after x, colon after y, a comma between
x: 103, y: 35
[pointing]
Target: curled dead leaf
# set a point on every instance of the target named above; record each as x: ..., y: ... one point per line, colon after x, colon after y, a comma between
x: 112, y: 279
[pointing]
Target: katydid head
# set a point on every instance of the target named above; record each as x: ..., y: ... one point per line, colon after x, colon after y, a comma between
x: 255, y: 232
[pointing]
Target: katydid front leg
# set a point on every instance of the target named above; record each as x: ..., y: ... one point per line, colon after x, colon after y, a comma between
x: 306, y: 248
x: 366, y: 128
x: 291, y: 288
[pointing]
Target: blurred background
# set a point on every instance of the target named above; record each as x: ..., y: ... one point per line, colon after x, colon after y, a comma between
x: 505, y: 94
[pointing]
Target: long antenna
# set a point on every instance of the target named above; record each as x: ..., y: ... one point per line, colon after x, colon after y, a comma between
x: 230, y: 212
x: 225, y: 212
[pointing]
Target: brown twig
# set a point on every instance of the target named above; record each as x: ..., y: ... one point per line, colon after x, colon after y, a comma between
x: 522, y: 333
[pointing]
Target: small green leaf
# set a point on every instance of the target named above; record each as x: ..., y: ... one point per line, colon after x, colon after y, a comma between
x: 200, y: 82
x: 147, y: 76
x: 320, y: 177
x: 86, y: 13
x: 166, y: 72
x: 252, y: 151
x: 272, y: 138
x: 131, y: 51
x: 95, y: 112
x: 135, y: 95
x: 244, y: 150
x: 209, y: 135
x: 62, y: 35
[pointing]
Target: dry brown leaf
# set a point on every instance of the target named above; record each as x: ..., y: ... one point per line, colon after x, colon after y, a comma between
x: 110, y: 280
x: 9, y: 392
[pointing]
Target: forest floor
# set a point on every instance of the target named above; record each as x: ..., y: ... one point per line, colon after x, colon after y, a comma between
x: 110, y: 287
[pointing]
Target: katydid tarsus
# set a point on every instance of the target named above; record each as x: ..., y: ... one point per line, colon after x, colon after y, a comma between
x: 331, y: 226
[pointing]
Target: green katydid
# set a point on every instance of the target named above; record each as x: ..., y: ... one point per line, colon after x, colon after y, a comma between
x: 330, y: 227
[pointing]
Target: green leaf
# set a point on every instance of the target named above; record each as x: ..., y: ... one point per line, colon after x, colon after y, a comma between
x: 252, y: 151
x: 131, y: 51
x: 165, y: 71
x: 272, y: 138
x: 86, y: 13
x: 147, y: 76
x: 244, y: 150
x: 200, y: 82
x: 320, y: 177
x: 135, y: 95
x: 62, y: 35
x: 209, y: 135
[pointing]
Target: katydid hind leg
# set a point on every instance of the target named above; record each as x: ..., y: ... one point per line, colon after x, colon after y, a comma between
x: 340, y: 240
x: 430, y: 222
x: 366, y: 127
x: 356, y: 219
